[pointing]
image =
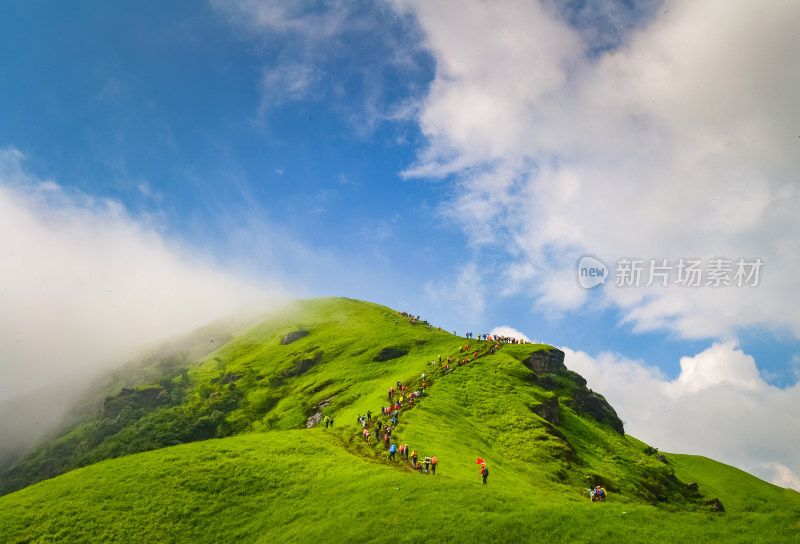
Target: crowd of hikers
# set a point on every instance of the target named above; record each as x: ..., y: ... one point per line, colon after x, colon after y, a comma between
x: 401, y: 398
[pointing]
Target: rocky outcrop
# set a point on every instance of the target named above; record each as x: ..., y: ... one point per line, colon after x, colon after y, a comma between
x: 595, y: 406
x: 301, y: 366
x: 314, y: 419
x: 133, y: 398
x: 716, y: 505
x: 293, y: 337
x: 549, y: 411
x: 387, y: 354
x: 551, y: 360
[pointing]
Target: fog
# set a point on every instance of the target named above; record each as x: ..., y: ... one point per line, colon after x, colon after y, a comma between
x: 83, y: 287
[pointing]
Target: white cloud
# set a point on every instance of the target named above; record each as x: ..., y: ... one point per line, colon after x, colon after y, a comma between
x: 682, y: 142
x: 718, y: 407
x: 465, y: 291
x: 282, y: 17
x: 783, y: 476
x: 288, y: 81
x: 509, y: 332
x: 82, y: 283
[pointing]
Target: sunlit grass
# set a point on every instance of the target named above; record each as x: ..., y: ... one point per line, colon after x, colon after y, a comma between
x: 279, y: 482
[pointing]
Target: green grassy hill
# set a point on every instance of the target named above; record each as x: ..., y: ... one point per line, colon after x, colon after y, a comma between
x: 274, y: 473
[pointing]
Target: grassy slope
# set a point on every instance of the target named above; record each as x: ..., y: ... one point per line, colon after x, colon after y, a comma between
x: 300, y: 485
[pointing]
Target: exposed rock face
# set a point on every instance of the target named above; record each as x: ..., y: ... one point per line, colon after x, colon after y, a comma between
x: 549, y: 411
x: 292, y: 337
x: 230, y: 377
x: 550, y: 360
x: 716, y: 506
x: 387, y: 354
x: 598, y: 408
x: 301, y: 366
x: 134, y: 398
x: 316, y: 417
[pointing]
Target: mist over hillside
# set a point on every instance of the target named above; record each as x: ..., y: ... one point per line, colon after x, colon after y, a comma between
x: 27, y: 418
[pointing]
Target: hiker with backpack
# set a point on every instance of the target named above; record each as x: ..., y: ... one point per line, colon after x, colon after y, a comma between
x: 599, y: 494
x: 392, y: 451
x: 484, y: 472
x: 414, y: 457
x: 434, y: 462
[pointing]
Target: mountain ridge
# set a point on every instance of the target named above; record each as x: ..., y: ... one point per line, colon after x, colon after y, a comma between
x: 542, y: 432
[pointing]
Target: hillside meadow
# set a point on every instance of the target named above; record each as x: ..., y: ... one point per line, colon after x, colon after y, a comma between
x: 303, y: 486
x: 231, y: 448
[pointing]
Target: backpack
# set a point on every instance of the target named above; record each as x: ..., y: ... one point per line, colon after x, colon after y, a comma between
x: 433, y: 460
x: 393, y: 449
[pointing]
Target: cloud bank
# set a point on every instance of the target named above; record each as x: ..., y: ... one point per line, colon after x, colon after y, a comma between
x: 718, y: 407
x: 681, y: 141
x: 83, y: 283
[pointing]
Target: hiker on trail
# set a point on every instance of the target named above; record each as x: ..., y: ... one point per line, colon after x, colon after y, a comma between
x: 326, y: 421
x: 484, y: 473
x: 406, y: 451
x: 434, y: 462
x: 414, y: 457
x: 379, y: 424
x: 427, y: 464
x: 599, y: 494
x: 369, y: 415
x: 392, y: 451
x: 440, y: 358
x: 402, y: 450
x: 330, y: 420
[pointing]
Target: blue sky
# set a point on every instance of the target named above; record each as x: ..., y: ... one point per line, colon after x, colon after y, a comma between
x: 161, y: 165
